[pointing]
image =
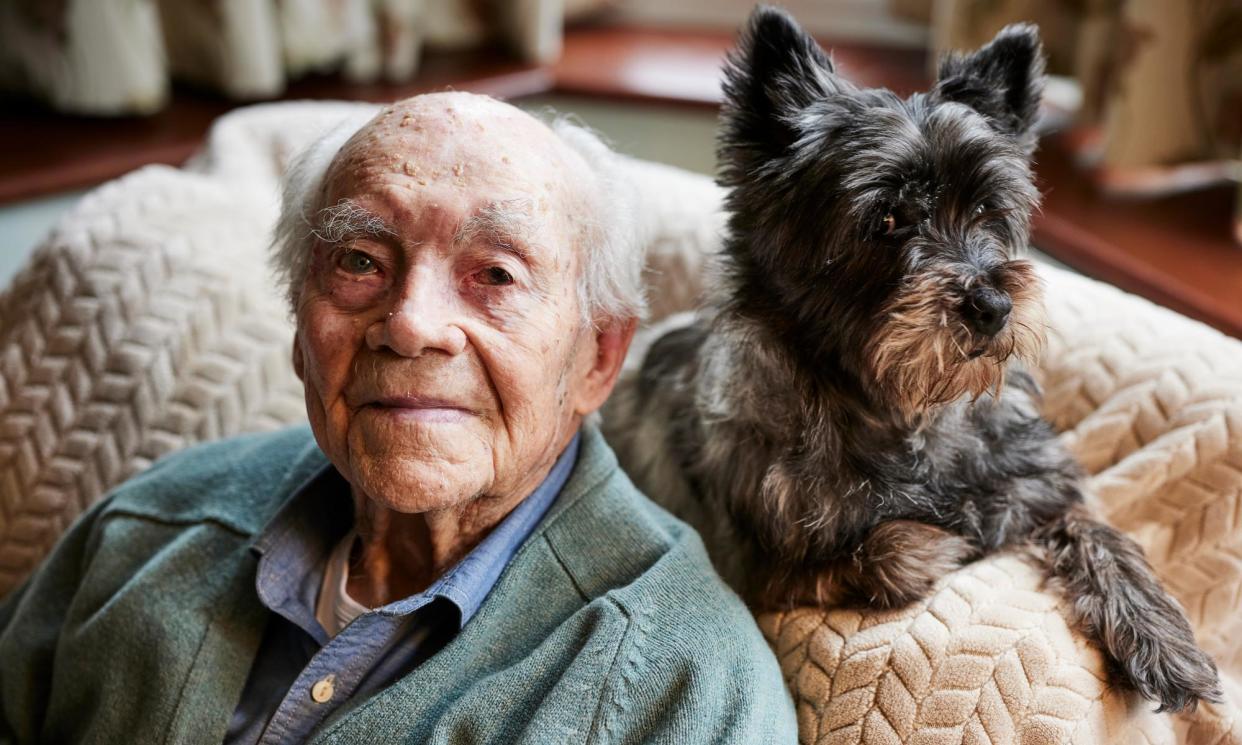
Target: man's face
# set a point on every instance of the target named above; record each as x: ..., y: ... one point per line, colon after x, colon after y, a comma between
x: 439, y: 334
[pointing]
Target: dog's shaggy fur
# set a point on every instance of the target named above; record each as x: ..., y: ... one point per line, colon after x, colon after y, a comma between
x: 849, y: 421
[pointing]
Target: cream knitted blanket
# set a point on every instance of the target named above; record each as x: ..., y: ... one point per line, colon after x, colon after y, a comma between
x: 147, y: 321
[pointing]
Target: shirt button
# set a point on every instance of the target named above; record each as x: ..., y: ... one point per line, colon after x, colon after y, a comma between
x: 322, y: 691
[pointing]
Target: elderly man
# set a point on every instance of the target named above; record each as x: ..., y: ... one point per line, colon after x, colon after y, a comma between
x: 448, y: 554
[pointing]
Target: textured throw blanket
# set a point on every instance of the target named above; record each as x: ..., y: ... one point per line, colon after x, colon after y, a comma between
x: 147, y: 321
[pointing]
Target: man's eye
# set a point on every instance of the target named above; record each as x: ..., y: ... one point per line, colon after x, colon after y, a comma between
x: 494, y: 275
x: 356, y: 262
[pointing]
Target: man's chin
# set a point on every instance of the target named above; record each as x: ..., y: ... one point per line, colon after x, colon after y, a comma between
x: 411, y: 484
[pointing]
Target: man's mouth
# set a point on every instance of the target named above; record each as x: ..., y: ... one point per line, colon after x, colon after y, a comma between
x: 421, y: 408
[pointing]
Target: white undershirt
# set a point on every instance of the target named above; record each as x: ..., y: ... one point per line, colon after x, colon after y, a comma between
x: 335, y: 609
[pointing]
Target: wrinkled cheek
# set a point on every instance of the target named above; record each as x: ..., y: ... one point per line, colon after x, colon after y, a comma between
x: 531, y: 383
x: 328, y: 348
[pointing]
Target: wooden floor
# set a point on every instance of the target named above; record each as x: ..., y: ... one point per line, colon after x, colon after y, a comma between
x: 1177, y: 251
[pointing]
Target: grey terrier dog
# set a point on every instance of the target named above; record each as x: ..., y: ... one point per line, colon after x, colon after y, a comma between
x: 848, y: 420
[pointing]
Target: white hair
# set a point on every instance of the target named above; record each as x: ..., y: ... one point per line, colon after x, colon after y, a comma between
x: 610, y: 282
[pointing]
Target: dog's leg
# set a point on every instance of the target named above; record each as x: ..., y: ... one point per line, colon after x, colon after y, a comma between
x: 1117, y: 600
x: 897, y: 564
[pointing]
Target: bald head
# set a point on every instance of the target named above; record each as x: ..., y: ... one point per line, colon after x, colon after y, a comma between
x: 530, y: 180
x: 523, y: 182
x: 472, y: 129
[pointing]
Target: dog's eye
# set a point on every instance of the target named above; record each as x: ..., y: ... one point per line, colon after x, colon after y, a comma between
x: 888, y: 225
x: 981, y: 208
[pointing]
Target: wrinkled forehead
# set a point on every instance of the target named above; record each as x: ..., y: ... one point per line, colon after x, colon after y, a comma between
x: 472, y: 144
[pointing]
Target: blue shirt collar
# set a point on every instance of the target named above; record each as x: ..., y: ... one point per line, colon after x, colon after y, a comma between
x: 295, y: 545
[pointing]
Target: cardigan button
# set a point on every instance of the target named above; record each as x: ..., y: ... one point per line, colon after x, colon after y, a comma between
x: 321, y: 692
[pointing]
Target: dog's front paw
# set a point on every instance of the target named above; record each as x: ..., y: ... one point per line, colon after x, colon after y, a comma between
x: 901, y: 561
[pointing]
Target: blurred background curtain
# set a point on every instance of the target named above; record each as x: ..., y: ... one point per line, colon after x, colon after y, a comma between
x: 1154, y: 86
x: 1160, y: 81
x: 118, y: 57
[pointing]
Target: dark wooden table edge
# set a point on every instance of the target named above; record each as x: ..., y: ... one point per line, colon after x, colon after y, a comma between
x: 1080, y: 250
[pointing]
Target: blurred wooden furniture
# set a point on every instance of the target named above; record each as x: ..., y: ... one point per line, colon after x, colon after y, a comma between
x: 1177, y: 251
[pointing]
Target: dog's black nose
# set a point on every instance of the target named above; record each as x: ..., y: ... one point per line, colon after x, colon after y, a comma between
x: 987, y: 310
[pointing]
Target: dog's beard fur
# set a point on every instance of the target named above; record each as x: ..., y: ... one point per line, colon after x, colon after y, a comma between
x: 832, y: 425
x: 923, y: 355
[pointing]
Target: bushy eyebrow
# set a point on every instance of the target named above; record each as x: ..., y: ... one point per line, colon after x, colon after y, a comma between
x: 346, y: 220
x: 505, y: 224
x: 508, y: 225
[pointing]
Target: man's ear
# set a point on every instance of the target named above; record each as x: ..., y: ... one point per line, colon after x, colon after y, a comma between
x: 295, y: 352
x: 775, y: 73
x: 611, y: 344
x: 1004, y: 80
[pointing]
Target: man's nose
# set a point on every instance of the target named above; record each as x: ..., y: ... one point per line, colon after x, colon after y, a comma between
x: 423, y: 318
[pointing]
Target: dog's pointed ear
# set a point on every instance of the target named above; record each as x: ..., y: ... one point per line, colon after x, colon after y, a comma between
x: 776, y: 71
x: 1004, y: 80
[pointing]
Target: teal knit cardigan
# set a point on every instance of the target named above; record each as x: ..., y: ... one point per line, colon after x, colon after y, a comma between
x: 609, y: 625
